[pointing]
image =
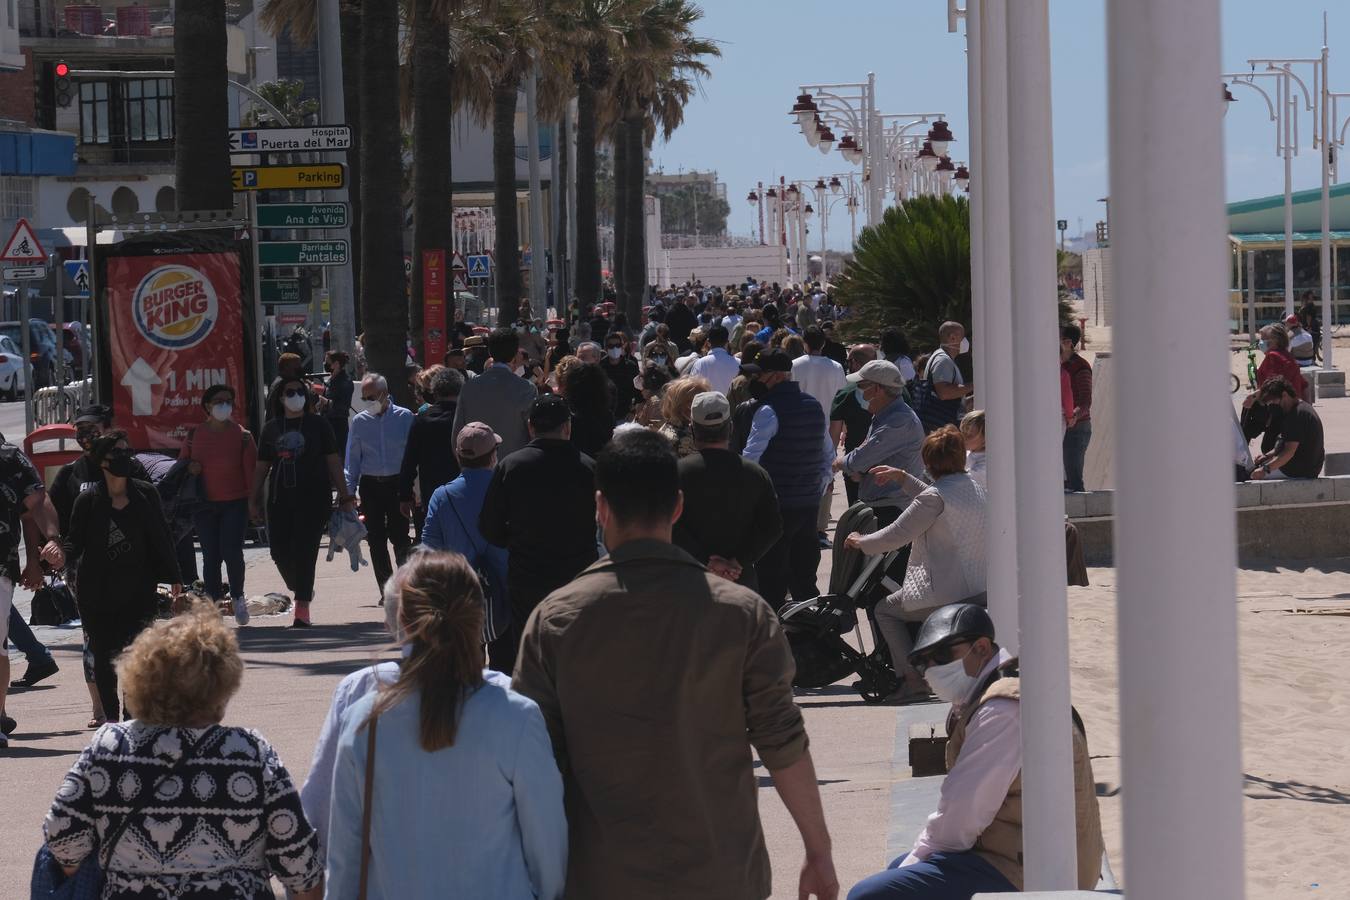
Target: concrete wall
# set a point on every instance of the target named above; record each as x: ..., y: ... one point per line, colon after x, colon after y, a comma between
x: 1097, y: 285
x: 724, y: 265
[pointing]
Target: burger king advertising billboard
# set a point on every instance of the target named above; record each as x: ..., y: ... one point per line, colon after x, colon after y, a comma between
x: 175, y: 325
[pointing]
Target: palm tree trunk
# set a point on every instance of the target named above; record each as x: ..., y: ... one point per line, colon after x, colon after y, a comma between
x: 509, y: 283
x: 562, y: 288
x: 431, y: 156
x: 383, y: 296
x: 201, y: 155
x: 618, y: 140
x: 349, y: 27
x: 588, y: 238
x: 635, y: 245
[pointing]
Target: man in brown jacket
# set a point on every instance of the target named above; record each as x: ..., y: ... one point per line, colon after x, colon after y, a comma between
x: 972, y: 844
x: 656, y: 678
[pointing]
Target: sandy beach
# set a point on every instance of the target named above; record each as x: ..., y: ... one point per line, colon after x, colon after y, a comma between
x: 1293, y: 625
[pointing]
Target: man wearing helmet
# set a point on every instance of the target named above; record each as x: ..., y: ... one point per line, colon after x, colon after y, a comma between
x: 973, y: 843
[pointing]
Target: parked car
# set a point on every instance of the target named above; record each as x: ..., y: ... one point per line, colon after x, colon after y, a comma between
x: 42, y: 351
x: 11, y: 370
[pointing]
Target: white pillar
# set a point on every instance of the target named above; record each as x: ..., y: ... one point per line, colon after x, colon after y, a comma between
x: 1324, y: 259
x: 341, y: 290
x: 990, y: 182
x: 1175, y: 533
x: 1047, y: 749
x: 978, y: 323
x: 876, y: 151
x: 1288, y: 110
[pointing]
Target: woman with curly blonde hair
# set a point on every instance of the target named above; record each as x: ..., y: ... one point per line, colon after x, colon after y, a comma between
x: 213, y: 812
x: 677, y: 402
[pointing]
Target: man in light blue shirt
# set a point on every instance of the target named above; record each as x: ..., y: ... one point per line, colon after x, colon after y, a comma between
x: 375, y: 444
x: 719, y: 367
x: 894, y: 439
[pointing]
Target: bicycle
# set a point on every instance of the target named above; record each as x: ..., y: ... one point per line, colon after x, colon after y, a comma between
x: 1251, y: 369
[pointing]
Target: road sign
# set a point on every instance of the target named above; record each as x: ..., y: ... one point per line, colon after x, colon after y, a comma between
x: 267, y: 178
x: 480, y: 266
x: 1061, y: 224
x: 457, y: 262
x: 460, y: 283
x: 283, y: 140
x: 291, y: 319
x: 302, y: 253
x: 302, y: 215
x: 282, y: 290
x: 25, y: 273
x: 23, y: 246
x: 77, y: 275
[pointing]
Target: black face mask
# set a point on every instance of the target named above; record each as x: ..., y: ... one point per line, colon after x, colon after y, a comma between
x: 85, y: 438
x: 119, y: 464
x: 758, y: 390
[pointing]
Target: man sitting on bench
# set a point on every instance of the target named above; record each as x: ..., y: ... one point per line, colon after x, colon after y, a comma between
x: 973, y: 842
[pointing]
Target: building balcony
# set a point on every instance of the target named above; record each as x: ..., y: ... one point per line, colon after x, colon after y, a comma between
x: 108, y: 26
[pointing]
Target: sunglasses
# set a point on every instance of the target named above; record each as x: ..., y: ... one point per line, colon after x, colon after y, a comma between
x: 939, y: 656
x: 295, y: 392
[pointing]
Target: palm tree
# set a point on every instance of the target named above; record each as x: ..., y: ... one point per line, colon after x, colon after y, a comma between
x: 431, y: 150
x: 619, y: 265
x: 201, y: 155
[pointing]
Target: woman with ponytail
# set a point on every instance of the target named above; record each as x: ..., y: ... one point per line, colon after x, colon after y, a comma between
x: 465, y: 797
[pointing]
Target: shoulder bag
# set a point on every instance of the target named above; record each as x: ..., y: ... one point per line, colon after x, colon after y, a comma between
x: 366, y: 811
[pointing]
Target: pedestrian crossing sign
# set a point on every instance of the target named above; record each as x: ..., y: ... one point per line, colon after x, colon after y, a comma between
x: 23, y: 246
x: 480, y: 266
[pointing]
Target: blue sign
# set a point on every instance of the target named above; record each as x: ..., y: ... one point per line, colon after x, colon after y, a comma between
x: 77, y: 276
x: 249, y: 140
x: 480, y: 266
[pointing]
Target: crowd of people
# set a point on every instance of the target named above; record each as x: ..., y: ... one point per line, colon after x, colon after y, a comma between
x: 565, y: 516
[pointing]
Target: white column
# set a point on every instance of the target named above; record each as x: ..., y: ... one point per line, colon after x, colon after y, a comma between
x: 1288, y: 110
x: 876, y: 144
x: 341, y: 290
x: 1324, y: 259
x: 1047, y: 749
x: 978, y: 323
x: 1180, y: 740
x: 990, y: 181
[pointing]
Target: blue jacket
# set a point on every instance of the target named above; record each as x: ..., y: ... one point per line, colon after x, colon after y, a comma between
x: 793, y: 456
x: 452, y: 524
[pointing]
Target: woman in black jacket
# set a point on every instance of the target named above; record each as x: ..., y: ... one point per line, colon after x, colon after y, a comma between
x: 120, y: 547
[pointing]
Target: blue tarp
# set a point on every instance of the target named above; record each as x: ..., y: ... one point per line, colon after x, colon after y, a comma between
x: 37, y: 153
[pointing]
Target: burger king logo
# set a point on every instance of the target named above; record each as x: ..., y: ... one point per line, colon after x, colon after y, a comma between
x: 175, y: 307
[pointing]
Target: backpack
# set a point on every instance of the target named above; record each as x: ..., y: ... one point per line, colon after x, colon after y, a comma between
x: 932, y: 410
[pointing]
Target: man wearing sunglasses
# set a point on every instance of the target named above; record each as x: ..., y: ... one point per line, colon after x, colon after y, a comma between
x: 972, y: 844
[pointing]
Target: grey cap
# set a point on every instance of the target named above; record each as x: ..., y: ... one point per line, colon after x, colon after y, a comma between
x: 949, y: 624
x: 881, y: 372
x: 710, y: 408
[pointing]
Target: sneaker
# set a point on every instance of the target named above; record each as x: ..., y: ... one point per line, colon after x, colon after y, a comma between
x: 240, y: 611
x: 4, y: 742
x: 7, y: 725
x: 301, y: 616
x: 37, y: 670
x: 824, y: 540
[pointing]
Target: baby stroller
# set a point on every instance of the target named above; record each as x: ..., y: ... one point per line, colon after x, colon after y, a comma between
x: 816, y: 628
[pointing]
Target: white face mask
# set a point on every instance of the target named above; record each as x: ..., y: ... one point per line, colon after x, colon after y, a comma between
x: 374, y: 407
x: 294, y: 404
x: 221, y: 411
x: 950, y: 681
x: 965, y: 345
x: 659, y: 360
x: 615, y: 353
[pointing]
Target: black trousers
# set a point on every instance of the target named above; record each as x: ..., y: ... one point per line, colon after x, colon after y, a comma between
x: 106, y: 642
x: 385, y: 525
x: 851, y: 490
x: 791, y: 563
x: 295, y: 526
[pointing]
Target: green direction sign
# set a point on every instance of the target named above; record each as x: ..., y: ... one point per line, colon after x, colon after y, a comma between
x: 302, y: 253
x: 302, y: 215
x: 281, y: 290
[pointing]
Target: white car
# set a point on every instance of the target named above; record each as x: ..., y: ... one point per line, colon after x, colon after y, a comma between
x: 11, y: 369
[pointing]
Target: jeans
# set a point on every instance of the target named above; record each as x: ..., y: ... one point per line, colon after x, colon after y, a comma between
x: 943, y: 876
x: 220, y: 527
x: 295, y: 527
x: 1075, y: 448
x: 23, y: 639
x: 791, y: 563
x: 385, y: 525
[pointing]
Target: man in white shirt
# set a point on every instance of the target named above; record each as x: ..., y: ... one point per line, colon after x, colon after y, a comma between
x: 822, y: 378
x: 719, y: 366
x: 1301, y: 346
x: 972, y: 844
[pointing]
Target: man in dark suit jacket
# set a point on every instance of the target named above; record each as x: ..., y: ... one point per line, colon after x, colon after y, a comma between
x: 681, y: 320
x: 499, y: 397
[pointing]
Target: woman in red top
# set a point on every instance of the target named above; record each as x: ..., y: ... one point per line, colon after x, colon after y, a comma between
x: 224, y: 455
x: 1278, y: 361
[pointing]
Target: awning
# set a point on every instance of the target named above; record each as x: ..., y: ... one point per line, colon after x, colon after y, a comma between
x: 1261, y: 239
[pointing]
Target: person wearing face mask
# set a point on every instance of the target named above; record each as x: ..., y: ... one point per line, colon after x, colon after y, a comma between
x: 972, y: 843
x: 850, y: 419
x: 121, y: 550
x: 659, y: 354
x: 718, y: 366
x: 375, y: 449
x: 337, y: 403
x: 894, y: 439
x: 944, y: 388
x: 81, y: 474
x: 944, y: 526
x: 621, y: 369
x: 498, y: 397
x: 298, y: 467
x: 223, y: 454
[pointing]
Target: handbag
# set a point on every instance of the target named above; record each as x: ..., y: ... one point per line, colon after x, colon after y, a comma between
x: 49, y: 882
x: 366, y: 811
x: 53, y: 603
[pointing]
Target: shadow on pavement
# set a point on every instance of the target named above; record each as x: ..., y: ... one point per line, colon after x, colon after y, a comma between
x: 1259, y: 788
x: 370, y: 635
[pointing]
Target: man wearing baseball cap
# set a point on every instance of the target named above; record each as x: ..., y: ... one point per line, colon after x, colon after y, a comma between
x: 972, y: 844
x: 731, y: 516
x: 452, y: 524
x: 895, y: 439
x: 540, y: 506
x: 789, y: 438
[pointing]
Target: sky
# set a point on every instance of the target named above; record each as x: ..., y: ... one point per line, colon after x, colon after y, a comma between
x: 739, y: 124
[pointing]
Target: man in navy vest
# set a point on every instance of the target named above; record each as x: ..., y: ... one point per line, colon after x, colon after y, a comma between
x: 789, y: 437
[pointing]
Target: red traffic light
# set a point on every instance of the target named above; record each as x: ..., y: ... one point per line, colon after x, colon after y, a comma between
x: 62, y: 70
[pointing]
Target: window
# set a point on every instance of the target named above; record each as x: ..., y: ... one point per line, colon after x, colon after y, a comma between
x: 149, y: 105
x: 126, y: 111
x: 16, y: 196
x: 94, y: 107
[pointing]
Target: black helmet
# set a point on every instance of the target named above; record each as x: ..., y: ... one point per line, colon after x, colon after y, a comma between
x: 949, y: 624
